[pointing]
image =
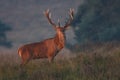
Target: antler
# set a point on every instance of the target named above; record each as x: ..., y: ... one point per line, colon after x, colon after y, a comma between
x: 71, y: 13
x: 48, y: 15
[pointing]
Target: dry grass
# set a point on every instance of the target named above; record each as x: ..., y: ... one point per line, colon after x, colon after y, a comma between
x: 97, y: 63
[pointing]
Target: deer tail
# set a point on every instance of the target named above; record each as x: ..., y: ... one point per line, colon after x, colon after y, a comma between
x: 19, y: 52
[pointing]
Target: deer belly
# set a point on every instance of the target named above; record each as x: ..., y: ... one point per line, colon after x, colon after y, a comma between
x: 39, y: 55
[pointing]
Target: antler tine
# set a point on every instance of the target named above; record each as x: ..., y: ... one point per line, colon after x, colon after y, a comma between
x: 48, y: 15
x: 58, y: 22
x: 71, y: 13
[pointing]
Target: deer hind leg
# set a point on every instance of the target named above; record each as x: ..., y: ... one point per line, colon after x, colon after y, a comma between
x: 25, y: 60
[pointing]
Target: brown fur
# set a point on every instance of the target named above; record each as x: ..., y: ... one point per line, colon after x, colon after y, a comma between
x: 45, y: 49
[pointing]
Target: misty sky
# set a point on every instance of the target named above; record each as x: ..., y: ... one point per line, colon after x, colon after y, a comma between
x: 28, y: 21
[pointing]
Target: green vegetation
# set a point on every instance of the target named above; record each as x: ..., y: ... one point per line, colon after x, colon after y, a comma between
x: 3, y: 38
x: 101, y: 62
x: 97, y: 21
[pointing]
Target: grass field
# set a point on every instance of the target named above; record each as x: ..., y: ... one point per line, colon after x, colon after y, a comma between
x: 94, y: 63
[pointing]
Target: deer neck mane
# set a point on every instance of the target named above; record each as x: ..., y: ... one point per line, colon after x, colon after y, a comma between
x: 59, y: 40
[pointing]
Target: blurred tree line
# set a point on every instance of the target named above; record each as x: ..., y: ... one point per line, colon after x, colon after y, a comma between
x: 97, y: 21
x: 3, y: 38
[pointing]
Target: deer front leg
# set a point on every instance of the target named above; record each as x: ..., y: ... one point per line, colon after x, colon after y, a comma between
x: 51, y: 59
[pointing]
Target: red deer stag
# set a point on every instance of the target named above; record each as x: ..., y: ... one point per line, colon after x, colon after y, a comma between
x: 49, y: 47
